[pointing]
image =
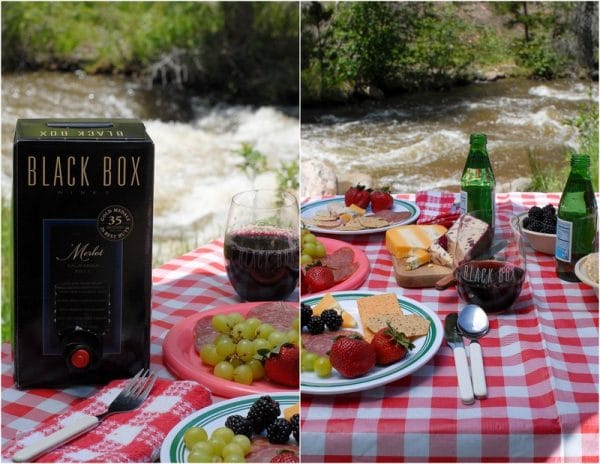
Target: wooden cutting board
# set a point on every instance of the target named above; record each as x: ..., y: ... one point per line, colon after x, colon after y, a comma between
x: 422, y: 277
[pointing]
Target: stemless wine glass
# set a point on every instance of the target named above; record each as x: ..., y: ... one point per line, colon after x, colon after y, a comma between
x: 491, y: 274
x: 261, y: 245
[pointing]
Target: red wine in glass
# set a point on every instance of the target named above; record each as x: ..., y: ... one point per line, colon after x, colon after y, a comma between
x: 262, y: 262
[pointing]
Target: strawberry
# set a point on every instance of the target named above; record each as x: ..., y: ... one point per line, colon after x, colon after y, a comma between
x: 318, y: 278
x: 381, y: 199
x: 352, y: 355
x: 390, y: 345
x: 282, y: 365
x: 285, y: 456
x: 358, y: 196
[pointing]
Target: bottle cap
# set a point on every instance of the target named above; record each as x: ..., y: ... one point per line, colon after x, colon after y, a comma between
x: 477, y: 138
x: 80, y: 358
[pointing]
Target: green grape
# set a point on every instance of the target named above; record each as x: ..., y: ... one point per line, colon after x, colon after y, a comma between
x: 225, y: 348
x: 232, y: 458
x: 245, y: 350
x: 224, y: 370
x: 243, y: 330
x: 254, y: 323
x: 307, y: 362
x: 258, y: 371
x: 309, y: 249
x: 322, y: 366
x: 264, y: 330
x: 225, y: 434
x: 194, y: 435
x: 243, y: 374
x: 305, y: 259
x: 235, y: 318
x: 319, y: 250
x: 277, y: 338
x: 216, y: 459
x: 231, y: 449
x: 235, y: 361
x: 217, y: 445
x: 209, y: 355
x: 222, y: 337
x: 296, y: 324
x: 292, y: 336
x: 219, y: 323
x: 204, y: 446
x: 261, y: 344
x: 200, y: 456
x: 244, y: 442
x: 309, y: 238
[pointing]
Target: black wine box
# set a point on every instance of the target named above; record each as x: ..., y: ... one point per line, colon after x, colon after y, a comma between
x: 82, y: 237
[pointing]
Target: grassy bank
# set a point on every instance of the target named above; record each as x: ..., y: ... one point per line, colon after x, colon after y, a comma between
x: 238, y: 50
x: 7, y: 250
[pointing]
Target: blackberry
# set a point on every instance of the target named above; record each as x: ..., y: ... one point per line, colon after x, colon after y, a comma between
x: 549, y: 211
x: 549, y: 225
x: 316, y: 325
x: 535, y: 225
x: 279, y: 431
x: 295, y: 422
x: 305, y: 314
x: 240, y: 425
x: 263, y: 412
x: 536, y: 213
x: 526, y: 222
x: 332, y: 319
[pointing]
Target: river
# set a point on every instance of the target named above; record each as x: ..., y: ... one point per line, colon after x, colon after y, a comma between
x: 420, y: 140
x: 195, y: 139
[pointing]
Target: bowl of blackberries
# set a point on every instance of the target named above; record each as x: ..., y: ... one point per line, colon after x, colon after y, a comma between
x: 539, y: 227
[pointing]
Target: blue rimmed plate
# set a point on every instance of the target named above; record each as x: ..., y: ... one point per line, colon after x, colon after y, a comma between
x: 173, y: 448
x: 310, y: 209
x: 425, y: 348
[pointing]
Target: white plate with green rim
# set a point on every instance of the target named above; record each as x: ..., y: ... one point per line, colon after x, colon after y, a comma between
x: 214, y: 416
x: 310, y: 209
x: 425, y: 348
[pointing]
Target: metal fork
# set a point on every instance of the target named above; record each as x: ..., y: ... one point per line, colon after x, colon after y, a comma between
x: 134, y: 393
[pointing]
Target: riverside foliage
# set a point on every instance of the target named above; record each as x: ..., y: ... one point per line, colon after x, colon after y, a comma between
x: 244, y: 50
x: 350, y: 47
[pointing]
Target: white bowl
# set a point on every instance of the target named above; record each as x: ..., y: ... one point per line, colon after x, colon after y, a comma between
x: 582, y: 274
x: 544, y: 243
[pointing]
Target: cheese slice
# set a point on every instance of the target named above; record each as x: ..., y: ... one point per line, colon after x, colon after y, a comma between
x: 291, y: 410
x: 439, y: 255
x: 403, y: 241
x: 329, y: 302
x: 417, y: 259
x: 357, y: 209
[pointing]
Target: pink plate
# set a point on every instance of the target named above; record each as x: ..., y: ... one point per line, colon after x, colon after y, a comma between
x: 360, y: 275
x: 182, y: 359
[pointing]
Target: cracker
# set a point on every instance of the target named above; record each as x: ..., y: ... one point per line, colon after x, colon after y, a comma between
x: 384, y: 304
x: 371, y: 222
x: 411, y: 325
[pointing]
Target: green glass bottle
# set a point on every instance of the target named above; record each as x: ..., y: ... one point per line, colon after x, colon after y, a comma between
x: 577, y: 221
x: 478, y: 184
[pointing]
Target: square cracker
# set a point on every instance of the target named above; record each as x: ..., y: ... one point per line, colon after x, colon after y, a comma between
x: 377, y: 305
x: 411, y: 325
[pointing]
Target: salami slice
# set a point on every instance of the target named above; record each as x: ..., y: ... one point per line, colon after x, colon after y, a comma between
x: 341, y: 274
x: 277, y: 313
x: 341, y: 257
x: 392, y: 216
x: 263, y: 451
x: 321, y: 344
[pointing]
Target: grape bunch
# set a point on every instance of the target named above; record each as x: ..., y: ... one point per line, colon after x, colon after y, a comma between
x: 223, y: 445
x: 233, y: 351
x: 541, y: 219
x: 311, y: 249
x: 312, y: 362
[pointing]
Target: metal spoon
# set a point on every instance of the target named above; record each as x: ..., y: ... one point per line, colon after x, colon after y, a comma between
x: 473, y: 323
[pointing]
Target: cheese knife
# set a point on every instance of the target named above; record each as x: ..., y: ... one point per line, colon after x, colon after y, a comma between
x: 455, y: 341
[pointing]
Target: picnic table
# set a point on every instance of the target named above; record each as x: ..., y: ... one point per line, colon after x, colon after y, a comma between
x: 541, y: 361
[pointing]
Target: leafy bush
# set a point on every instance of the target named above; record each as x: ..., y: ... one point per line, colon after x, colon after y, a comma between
x: 539, y: 57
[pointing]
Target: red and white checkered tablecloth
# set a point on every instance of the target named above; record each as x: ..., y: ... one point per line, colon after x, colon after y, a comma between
x: 541, y: 365
x: 194, y: 282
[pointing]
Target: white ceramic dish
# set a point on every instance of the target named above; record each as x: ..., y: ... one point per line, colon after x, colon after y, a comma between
x: 583, y: 275
x: 309, y: 210
x: 544, y: 243
x: 425, y: 348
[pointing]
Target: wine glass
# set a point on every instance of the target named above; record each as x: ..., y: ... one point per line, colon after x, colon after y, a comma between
x: 262, y: 244
x: 490, y: 263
